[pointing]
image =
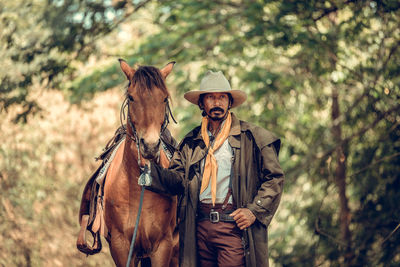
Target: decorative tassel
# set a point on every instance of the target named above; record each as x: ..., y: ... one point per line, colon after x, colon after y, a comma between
x: 145, y: 177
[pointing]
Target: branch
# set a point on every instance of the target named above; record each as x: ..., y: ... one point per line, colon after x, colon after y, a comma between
x: 363, y: 130
x: 318, y: 231
x: 386, y: 238
x: 374, y: 163
x: 392, y: 51
x: 311, y: 157
x: 229, y: 3
x: 374, y: 82
x: 129, y: 13
x: 331, y: 10
x: 116, y: 24
x: 174, y: 49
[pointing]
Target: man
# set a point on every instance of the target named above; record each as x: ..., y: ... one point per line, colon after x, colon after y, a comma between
x: 228, y: 179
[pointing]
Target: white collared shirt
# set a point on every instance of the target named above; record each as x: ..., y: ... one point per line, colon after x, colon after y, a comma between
x: 224, y: 157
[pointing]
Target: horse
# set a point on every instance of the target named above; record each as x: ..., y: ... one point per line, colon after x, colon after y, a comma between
x: 147, y: 115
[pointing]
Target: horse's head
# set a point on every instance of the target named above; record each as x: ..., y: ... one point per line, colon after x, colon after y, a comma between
x: 147, y: 97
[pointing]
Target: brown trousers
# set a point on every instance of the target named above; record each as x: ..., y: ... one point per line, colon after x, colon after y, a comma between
x: 219, y: 244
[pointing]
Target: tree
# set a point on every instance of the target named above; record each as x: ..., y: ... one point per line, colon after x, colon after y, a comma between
x: 41, y: 40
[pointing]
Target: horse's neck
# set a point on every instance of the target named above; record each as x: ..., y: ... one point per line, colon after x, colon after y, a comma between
x: 130, y: 158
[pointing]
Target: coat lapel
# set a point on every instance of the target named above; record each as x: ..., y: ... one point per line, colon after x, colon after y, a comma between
x: 234, y: 134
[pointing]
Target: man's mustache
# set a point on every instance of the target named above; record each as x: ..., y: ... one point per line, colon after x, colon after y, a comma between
x: 216, y: 109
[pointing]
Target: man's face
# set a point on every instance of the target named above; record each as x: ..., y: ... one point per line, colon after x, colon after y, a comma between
x: 216, y: 105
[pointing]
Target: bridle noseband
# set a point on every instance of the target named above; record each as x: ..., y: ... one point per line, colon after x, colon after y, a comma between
x: 134, y: 136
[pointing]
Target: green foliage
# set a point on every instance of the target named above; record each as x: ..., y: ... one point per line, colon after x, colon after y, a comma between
x: 40, y: 39
x: 84, y: 88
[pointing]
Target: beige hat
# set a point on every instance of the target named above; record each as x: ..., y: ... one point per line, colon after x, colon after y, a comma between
x: 215, y: 82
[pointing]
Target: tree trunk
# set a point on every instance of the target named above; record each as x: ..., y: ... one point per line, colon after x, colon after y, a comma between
x: 341, y: 159
x: 340, y: 178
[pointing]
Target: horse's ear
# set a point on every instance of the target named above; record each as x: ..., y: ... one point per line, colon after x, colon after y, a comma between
x: 129, y: 72
x: 167, y: 69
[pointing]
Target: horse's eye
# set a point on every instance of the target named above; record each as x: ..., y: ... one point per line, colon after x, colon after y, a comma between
x: 130, y: 98
x: 166, y: 99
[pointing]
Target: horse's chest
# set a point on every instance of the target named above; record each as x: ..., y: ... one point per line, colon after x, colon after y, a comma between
x: 157, y: 216
x: 156, y: 224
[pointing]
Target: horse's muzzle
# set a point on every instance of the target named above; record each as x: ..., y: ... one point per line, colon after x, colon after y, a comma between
x: 149, y: 151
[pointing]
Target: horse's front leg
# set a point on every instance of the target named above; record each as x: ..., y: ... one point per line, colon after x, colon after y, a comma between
x: 163, y: 255
x: 119, y: 247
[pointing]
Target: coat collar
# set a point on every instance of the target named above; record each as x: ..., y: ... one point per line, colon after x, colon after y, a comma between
x: 234, y: 133
x: 235, y: 128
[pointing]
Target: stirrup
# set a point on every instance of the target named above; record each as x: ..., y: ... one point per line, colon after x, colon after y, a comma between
x: 82, y: 244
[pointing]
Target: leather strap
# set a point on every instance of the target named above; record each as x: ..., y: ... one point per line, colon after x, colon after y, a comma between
x: 225, y: 203
x: 227, y: 197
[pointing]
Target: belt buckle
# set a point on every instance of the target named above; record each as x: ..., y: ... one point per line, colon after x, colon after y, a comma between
x: 214, y: 216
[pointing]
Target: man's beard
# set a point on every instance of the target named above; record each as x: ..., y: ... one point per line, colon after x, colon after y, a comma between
x: 217, y: 118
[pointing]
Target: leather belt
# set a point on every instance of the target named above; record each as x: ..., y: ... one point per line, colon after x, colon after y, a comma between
x: 215, y: 216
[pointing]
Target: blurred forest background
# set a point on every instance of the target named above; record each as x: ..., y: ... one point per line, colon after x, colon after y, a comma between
x: 322, y: 75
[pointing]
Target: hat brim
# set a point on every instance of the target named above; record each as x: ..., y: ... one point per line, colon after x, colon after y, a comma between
x: 239, y: 97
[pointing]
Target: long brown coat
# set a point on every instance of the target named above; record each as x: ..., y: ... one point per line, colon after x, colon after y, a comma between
x: 257, y: 185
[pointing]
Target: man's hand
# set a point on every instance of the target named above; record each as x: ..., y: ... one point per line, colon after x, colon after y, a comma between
x: 243, y: 217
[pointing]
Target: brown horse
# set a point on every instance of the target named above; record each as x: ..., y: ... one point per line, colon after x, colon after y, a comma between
x: 147, y: 101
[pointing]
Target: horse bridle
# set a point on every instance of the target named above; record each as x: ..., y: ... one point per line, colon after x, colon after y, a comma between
x: 134, y: 137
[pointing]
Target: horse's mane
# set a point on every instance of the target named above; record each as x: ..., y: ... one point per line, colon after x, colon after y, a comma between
x: 148, y: 77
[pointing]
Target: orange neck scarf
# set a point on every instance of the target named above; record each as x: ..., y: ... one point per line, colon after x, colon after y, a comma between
x: 211, y: 166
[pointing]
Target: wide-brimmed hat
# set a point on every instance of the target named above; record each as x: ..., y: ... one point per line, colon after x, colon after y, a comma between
x: 215, y: 82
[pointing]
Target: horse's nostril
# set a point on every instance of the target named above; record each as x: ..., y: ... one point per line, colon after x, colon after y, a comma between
x: 145, y: 144
x: 149, y: 151
x: 152, y: 146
